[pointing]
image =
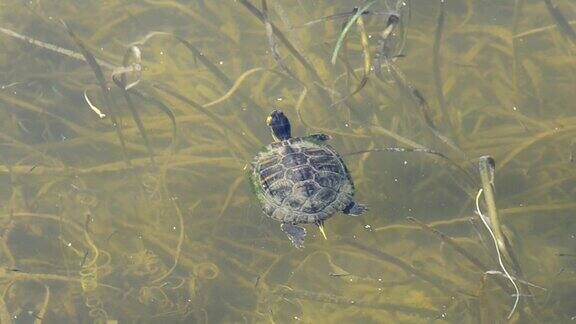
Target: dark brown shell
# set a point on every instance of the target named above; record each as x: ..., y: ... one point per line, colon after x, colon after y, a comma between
x: 301, y: 181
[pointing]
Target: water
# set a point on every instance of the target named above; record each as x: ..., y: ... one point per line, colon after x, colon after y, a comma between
x: 92, y: 232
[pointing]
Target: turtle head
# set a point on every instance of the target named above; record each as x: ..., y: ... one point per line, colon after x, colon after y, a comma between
x: 279, y: 124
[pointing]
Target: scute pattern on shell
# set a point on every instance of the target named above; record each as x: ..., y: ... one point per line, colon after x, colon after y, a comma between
x: 301, y: 181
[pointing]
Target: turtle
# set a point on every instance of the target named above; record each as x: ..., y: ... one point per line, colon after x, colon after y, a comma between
x: 301, y: 180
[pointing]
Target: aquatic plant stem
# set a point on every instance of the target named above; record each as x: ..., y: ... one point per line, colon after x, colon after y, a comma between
x: 500, y: 262
x: 487, y: 178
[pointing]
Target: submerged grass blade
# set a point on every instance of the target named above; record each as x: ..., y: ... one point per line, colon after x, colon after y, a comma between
x: 364, y: 41
x: 234, y: 88
x: 464, y: 172
x: 53, y: 48
x: 40, y: 316
x: 178, y: 250
x: 272, y: 40
x: 486, y: 167
x: 5, y: 316
x: 561, y: 21
x: 137, y: 119
x: 108, y: 100
x: 423, y: 106
x: 367, y: 60
x: 166, y: 110
x: 319, y: 297
x: 251, y: 140
x: 214, y: 69
x: 458, y: 248
x: 121, y: 83
x: 284, y: 41
x: 498, y: 254
x: 384, y: 46
x: 438, y: 84
x: 516, y: 62
x: 206, y: 62
x: 330, y: 17
x: 539, y: 30
x: 346, y: 29
x: 405, y: 266
x: 449, y: 241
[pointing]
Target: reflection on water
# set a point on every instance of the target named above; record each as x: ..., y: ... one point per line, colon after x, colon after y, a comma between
x: 145, y: 214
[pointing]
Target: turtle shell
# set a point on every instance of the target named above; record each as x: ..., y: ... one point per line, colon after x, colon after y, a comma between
x: 301, y: 181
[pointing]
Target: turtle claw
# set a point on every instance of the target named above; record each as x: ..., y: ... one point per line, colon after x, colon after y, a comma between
x: 355, y: 209
x: 320, y: 225
x: 295, y: 233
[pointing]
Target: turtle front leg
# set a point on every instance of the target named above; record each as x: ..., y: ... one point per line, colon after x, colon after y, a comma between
x: 355, y: 209
x: 318, y: 137
x: 295, y: 233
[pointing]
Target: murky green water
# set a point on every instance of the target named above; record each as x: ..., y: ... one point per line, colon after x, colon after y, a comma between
x: 164, y: 227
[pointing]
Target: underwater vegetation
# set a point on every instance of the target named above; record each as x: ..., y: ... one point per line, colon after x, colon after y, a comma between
x: 127, y: 129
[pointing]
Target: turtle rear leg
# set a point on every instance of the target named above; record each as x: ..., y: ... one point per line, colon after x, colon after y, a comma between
x: 355, y: 209
x: 295, y: 233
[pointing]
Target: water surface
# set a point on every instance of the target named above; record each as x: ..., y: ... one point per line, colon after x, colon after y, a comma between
x: 164, y: 227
